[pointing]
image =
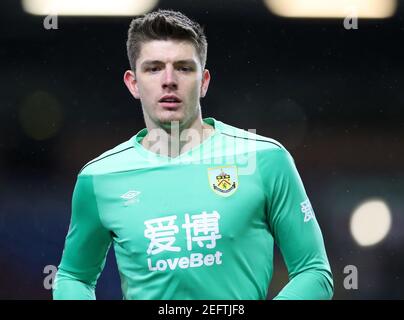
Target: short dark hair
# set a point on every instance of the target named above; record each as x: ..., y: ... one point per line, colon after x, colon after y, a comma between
x: 164, y: 25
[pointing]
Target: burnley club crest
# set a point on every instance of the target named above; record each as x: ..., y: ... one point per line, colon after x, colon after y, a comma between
x: 223, y: 180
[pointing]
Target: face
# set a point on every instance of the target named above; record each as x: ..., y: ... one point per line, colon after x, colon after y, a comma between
x: 169, y: 81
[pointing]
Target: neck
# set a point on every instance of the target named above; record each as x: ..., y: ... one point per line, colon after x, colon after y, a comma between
x: 176, y: 139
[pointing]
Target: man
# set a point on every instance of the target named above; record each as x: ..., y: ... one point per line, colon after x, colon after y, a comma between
x: 192, y: 206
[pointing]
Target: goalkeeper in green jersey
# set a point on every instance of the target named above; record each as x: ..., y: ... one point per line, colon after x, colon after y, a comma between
x: 192, y: 206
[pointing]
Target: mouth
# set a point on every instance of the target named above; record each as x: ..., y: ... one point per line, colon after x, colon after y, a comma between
x: 170, y: 102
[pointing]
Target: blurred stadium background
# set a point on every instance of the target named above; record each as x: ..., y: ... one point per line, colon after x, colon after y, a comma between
x: 333, y: 96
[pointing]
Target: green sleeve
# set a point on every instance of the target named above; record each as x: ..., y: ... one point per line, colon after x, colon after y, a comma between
x: 295, y: 230
x: 86, y: 246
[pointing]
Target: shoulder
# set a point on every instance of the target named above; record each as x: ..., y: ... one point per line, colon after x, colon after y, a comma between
x: 110, y: 160
x: 270, y: 155
x: 250, y: 138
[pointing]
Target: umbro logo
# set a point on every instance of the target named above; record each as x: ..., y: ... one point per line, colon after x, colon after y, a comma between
x: 130, y: 197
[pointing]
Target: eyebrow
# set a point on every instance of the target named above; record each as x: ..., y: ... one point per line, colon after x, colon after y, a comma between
x: 150, y: 62
x: 188, y: 61
x: 154, y: 62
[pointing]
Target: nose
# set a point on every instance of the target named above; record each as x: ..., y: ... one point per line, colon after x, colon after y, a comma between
x: 169, y: 78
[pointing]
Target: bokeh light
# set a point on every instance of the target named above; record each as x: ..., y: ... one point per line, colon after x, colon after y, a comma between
x: 332, y: 8
x: 89, y: 7
x: 370, y: 222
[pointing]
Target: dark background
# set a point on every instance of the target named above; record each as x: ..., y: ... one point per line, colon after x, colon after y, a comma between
x: 333, y: 97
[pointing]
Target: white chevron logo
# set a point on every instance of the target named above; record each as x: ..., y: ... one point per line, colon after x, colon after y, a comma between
x: 130, y: 197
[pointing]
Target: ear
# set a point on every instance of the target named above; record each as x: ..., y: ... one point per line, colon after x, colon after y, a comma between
x: 205, y: 82
x: 129, y: 78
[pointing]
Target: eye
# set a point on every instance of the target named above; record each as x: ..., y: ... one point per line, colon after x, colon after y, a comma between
x: 185, y: 69
x: 153, y: 69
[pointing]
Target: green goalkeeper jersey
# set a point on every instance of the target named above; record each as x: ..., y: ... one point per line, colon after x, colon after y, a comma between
x: 198, y: 226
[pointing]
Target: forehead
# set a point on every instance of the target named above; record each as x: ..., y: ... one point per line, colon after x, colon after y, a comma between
x: 167, y: 51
